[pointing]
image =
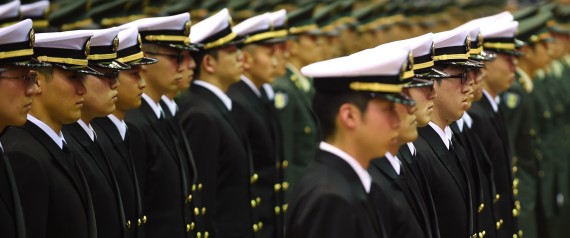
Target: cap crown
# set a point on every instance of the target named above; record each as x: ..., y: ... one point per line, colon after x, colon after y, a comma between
x: 163, y: 30
x: 214, y: 31
x: 17, y: 42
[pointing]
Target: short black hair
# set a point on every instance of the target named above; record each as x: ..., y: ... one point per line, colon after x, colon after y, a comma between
x: 327, y: 104
x: 199, y: 56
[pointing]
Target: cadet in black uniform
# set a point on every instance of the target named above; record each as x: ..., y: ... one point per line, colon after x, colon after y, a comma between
x: 53, y: 189
x: 442, y: 159
x: 124, y: 145
x: 355, y: 98
x: 488, y: 122
x: 409, y: 214
x: 259, y: 121
x: 99, y: 101
x: 220, y: 147
x: 167, y: 178
x: 17, y: 86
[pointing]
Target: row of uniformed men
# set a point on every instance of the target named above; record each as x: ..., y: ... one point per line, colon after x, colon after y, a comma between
x: 162, y: 182
x: 458, y: 178
x: 535, y: 110
x: 104, y: 151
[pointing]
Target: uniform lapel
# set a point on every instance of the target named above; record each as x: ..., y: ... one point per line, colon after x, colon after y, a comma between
x: 443, y: 154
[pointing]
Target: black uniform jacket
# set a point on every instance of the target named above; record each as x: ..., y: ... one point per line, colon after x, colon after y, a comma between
x: 263, y: 131
x: 490, y: 128
x: 483, y: 191
x: 415, y: 178
x: 53, y: 190
x: 101, y: 180
x: 126, y: 169
x: 223, y: 160
x: 12, y: 222
x: 448, y: 183
x: 407, y: 214
x: 330, y: 201
x: 164, y: 184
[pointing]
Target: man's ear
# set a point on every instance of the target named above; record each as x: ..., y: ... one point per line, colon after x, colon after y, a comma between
x: 349, y: 116
x: 247, y: 59
x: 209, y: 64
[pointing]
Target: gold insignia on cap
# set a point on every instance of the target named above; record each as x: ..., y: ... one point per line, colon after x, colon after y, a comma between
x: 231, y: 21
x: 32, y: 38
x: 87, y: 47
x: 115, y: 44
x: 410, y: 64
x: 432, y: 50
x: 479, y: 40
x: 139, y: 41
x: 468, y: 43
x: 187, y: 28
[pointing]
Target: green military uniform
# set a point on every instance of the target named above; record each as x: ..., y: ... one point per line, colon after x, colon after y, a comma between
x: 293, y: 100
x: 518, y: 107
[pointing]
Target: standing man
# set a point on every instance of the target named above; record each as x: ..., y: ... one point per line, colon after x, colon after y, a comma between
x: 294, y: 93
x: 443, y: 161
x: 408, y: 214
x: 17, y: 86
x: 53, y: 189
x: 522, y: 101
x: 355, y: 104
x: 167, y: 190
x: 125, y: 145
x: 259, y: 120
x: 488, y: 122
x: 100, y: 97
x: 220, y: 146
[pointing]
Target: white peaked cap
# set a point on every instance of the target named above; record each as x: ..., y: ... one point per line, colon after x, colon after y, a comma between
x: 503, y: 30
x: 364, y: 63
x: 74, y: 40
x: 128, y: 37
x: 278, y: 18
x: 10, y: 10
x: 253, y: 25
x: 455, y: 37
x: 420, y: 45
x: 102, y: 37
x: 210, y: 26
x: 175, y: 22
x: 19, y: 32
x: 34, y: 9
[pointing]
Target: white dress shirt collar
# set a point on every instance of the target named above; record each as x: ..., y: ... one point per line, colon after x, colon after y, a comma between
x: 269, y: 91
x: 394, y: 161
x: 460, y: 124
x: 56, y: 137
x: 250, y: 84
x: 412, y: 148
x: 218, y: 92
x: 171, y: 104
x: 468, y: 120
x: 120, y: 124
x: 360, y: 171
x: 445, y: 134
x: 155, y: 106
x: 88, y: 129
x: 493, y: 101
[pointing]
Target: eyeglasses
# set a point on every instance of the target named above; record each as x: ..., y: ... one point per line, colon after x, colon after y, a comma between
x: 30, y: 79
x: 463, y: 76
x: 178, y: 57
